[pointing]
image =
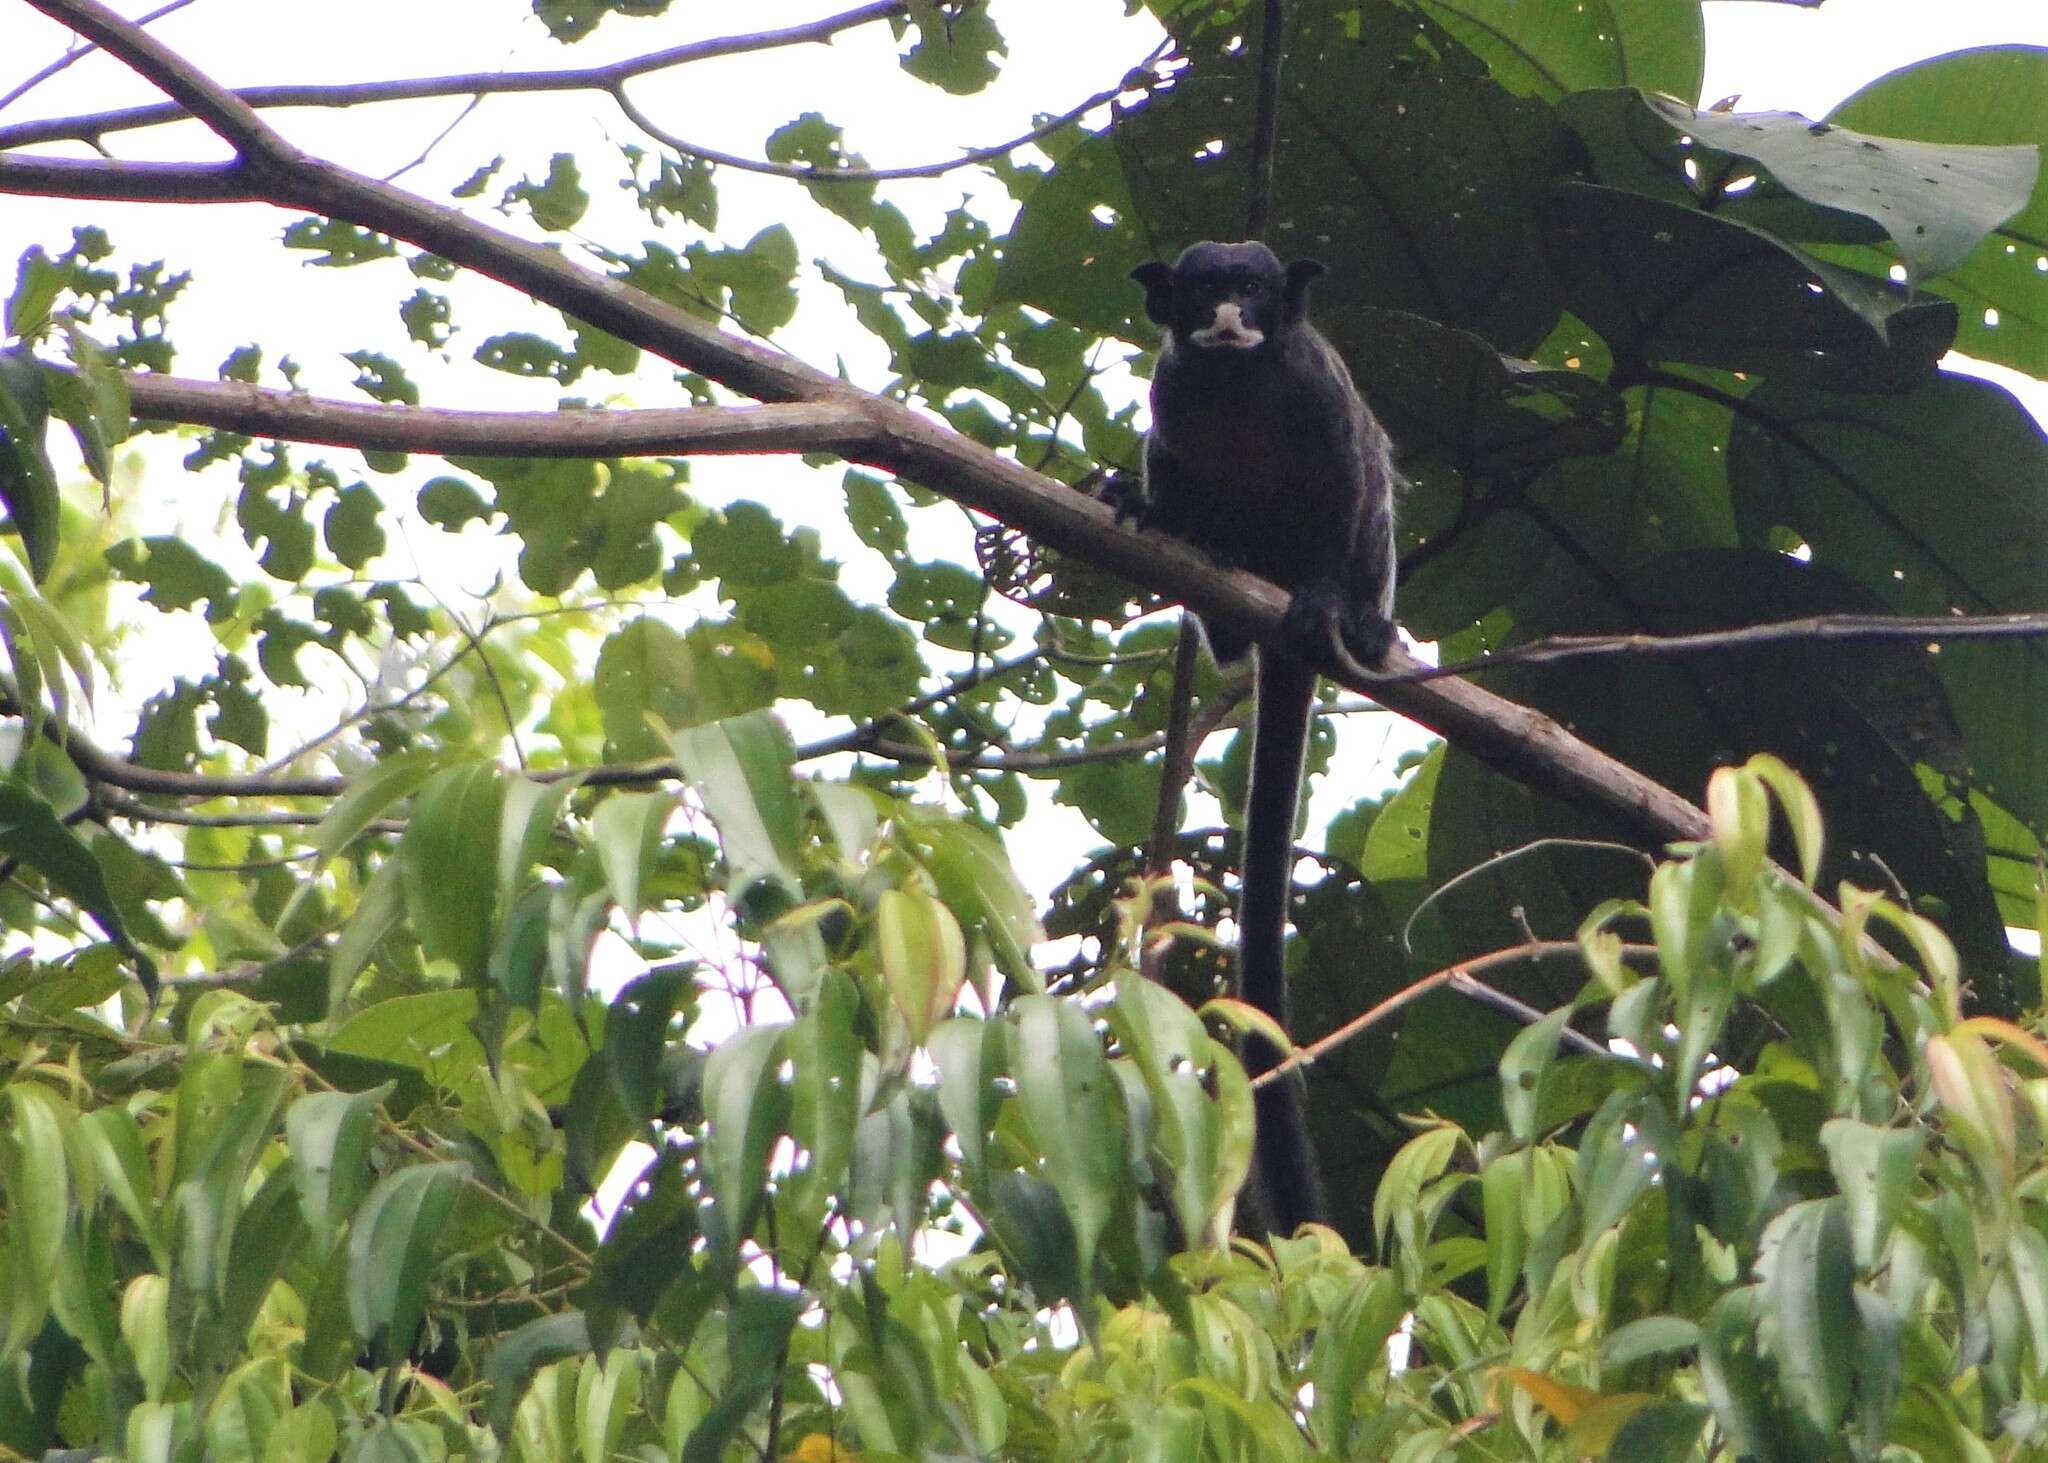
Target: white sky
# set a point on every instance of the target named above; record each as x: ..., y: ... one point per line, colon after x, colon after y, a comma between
x: 1774, y: 55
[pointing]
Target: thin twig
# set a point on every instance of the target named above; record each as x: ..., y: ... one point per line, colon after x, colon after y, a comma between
x: 1459, y: 978
x: 93, y: 126
x: 78, y: 53
x: 1132, y: 80
x: 1602, y: 844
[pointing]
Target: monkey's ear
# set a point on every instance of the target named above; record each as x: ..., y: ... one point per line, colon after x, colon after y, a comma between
x: 1299, y: 274
x: 1157, y: 279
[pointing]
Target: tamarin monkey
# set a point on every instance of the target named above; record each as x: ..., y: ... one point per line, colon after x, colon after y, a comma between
x: 1263, y: 455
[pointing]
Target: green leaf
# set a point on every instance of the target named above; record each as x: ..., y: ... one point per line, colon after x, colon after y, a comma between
x: 826, y: 1096
x: 1616, y: 1165
x: 1661, y: 281
x: 956, y: 48
x: 368, y: 797
x: 975, y: 878
x: 1938, y: 201
x: 635, y: 1266
x: 740, y: 767
x: 391, y: 1248
x: 1873, y: 1169
x: 638, y: 1030
x: 328, y: 1135
x: 648, y: 673
x: 1067, y: 1099
x: 32, y: 833
x: 376, y: 914
x: 93, y: 400
x: 353, y: 534
x: 516, y: 1357
x: 37, y: 1181
x: 448, y: 859
x: 757, y: 1342
x: 1501, y: 1186
x: 527, y: 821
x: 745, y: 1104
x: 969, y: 1056
x: 37, y: 283
x: 559, y: 202
x: 1648, y: 1336
x: 924, y: 957
x: 627, y: 829
x: 1660, y: 1432
x: 111, y: 1137
x: 1525, y: 1069
x: 1982, y: 96
x: 339, y: 245
x: 1806, y: 1266
x: 28, y: 485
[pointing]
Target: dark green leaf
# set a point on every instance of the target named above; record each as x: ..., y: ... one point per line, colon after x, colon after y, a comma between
x: 391, y: 1248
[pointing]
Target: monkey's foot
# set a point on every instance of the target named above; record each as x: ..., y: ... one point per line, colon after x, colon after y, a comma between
x: 1125, y: 495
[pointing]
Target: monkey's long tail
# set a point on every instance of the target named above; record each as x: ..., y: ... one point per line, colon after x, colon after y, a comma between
x: 1285, y: 1177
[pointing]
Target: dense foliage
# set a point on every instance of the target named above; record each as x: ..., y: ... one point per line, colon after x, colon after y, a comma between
x: 343, y: 970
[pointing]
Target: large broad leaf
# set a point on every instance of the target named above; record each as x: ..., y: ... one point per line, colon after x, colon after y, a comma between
x: 1662, y: 282
x: 1937, y: 503
x: 1861, y: 721
x: 1447, y: 395
x: 1400, y: 163
x: 1937, y: 200
x: 1550, y: 51
x: 1985, y: 96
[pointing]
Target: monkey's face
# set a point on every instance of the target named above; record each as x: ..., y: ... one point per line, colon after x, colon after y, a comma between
x: 1226, y: 297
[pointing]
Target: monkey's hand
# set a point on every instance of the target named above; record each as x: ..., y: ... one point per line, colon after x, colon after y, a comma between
x: 1124, y: 492
x: 1326, y: 624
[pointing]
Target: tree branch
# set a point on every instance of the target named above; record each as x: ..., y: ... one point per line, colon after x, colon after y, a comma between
x: 1460, y: 978
x: 1519, y: 742
x: 807, y: 173
x: 76, y: 54
x: 812, y: 426
x: 607, y: 78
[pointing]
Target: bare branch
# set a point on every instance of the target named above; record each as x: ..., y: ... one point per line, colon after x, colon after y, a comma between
x: 1461, y: 978
x: 76, y: 54
x: 804, y: 172
x: 1809, y: 629
x: 607, y: 78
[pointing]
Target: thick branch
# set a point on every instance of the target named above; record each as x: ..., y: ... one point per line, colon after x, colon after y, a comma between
x: 608, y: 77
x: 130, y: 182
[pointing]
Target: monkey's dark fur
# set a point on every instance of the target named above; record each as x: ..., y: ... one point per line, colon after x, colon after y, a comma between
x: 1262, y: 454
